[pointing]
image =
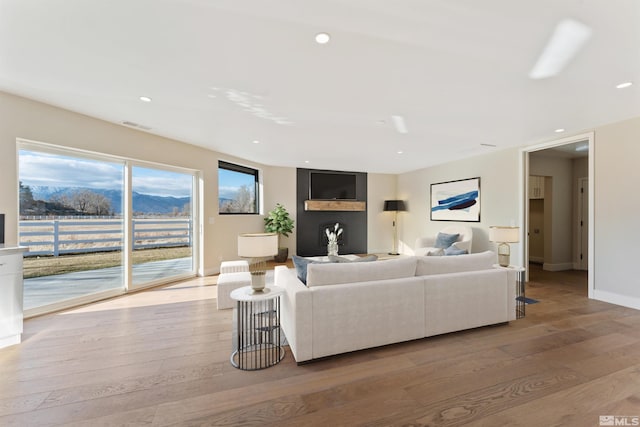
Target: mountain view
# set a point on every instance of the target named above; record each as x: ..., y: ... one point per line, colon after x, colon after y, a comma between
x: 142, y: 203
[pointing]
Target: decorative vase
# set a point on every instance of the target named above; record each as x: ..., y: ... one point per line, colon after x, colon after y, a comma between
x: 332, y: 248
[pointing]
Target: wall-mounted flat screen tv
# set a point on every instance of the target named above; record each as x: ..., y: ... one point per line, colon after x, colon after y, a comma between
x: 332, y: 186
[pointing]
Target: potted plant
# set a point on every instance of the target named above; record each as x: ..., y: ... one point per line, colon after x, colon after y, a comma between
x: 279, y: 221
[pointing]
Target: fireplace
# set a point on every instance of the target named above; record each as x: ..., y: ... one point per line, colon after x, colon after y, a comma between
x: 310, y: 225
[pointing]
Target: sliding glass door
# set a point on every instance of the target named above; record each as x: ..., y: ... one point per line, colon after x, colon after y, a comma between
x: 75, y: 209
x: 162, y: 225
x: 71, y: 220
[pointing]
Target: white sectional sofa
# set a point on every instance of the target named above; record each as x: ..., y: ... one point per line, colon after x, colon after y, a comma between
x: 353, y: 306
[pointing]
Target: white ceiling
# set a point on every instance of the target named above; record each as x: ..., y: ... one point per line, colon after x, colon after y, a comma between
x: 223, y: 73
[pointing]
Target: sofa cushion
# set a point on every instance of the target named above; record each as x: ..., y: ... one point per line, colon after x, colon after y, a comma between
x: 428, y: 265
x: 336, y: 258
x: 452, y: 250
x: 444, y: 240
x: 320, y: 274
x: 301, y: 264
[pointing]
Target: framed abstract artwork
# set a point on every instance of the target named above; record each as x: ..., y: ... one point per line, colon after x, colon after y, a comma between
x: 456, y: 200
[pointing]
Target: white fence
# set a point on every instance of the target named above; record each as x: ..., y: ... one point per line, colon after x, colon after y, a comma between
x: 62, y: 236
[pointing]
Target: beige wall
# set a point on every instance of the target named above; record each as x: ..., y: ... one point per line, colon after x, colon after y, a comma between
x: 500, y: 194
x: 381, y: 187
x: 23, y: 118
x: 617, y: 204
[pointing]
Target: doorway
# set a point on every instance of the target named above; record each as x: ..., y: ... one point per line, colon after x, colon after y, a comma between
x: 560, y: 222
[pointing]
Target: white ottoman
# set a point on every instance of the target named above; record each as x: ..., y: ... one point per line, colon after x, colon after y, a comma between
x: 227, y: 283
x: 233, y: 266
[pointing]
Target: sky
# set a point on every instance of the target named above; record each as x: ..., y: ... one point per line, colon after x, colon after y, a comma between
x: 44, y: 169
x: 229, y: 182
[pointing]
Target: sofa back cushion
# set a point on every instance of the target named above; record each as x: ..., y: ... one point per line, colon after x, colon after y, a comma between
x: 337, y: 273
x: 427, y: 265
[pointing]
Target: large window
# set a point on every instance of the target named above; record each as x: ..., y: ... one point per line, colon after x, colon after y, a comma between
x: 237, y: 189
x: 71, y: 220
x: 73, y: 210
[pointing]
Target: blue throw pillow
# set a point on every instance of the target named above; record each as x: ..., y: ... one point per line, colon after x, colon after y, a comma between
x: 452, y: 250
x: 444, y: 240
x: 301, y: 267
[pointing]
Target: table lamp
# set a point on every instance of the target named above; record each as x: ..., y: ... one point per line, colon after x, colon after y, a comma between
x: 257, y: 246
x: 394, y: 206
x: 504, y: 236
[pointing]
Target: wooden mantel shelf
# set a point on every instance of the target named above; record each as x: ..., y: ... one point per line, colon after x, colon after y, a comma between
x: 334, y: 205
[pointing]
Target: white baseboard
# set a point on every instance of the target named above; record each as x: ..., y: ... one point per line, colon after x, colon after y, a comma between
x: 557, y: 267
x: 211, y: 271
x: 623, y: 300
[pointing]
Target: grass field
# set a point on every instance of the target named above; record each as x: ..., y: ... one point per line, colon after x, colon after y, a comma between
x: 49, y: 265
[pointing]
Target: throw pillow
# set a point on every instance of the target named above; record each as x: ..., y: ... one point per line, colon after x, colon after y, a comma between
x: 335, y: 258
x: 452, y: 250
x: 300, y: 264
x: 436, y: 252
x: 444, y: 240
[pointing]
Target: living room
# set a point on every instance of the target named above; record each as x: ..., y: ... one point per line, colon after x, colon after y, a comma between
x: 162, y: 355
x: 500, y: 171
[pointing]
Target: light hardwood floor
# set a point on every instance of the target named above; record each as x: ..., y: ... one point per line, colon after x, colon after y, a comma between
x: 161, y: 357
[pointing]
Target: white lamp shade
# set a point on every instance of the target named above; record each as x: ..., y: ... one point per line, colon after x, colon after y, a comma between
x: 256, y: 245
x: 504, y: 234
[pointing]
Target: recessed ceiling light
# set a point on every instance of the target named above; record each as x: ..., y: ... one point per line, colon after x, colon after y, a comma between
x: 400, y: 124
x: 145, y: 99
x: 400, y: 152
x: 255, y: 141
x: 559, y: 130
x: 623, y: 85
x: 306, y: 161
x: 323, y: 38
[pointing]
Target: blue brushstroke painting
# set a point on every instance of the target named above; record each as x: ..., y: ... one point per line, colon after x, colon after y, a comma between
x: 457, y: 202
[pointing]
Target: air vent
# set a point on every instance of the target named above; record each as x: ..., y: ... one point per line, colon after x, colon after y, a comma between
x: 135, y: 125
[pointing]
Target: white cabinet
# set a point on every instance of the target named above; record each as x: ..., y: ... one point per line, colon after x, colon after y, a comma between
x: 11, y: 314
x: 536, y: 187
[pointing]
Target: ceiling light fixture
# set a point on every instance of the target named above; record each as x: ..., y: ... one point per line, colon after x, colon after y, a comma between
x: 399, y: 123
x: 323, y: 38
x: 624, y: 85
x: 145, y: 99
x: 255, y: 141
x: 568, y: 38
x: 559, y: 130
x: 400, y: 152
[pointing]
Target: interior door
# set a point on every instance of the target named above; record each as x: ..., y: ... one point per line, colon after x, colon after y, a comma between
x: 583, y: 257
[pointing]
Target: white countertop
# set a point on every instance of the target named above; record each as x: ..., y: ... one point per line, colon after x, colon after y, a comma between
x: 10, y: 249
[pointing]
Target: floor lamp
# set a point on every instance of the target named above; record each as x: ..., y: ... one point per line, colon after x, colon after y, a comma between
x: 394, y: 206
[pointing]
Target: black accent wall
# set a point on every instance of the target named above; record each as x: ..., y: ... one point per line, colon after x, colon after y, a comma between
x: 310, y: 225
